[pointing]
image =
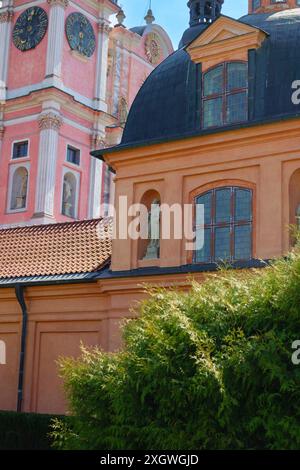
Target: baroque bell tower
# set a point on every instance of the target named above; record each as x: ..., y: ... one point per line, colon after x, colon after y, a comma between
x: 204, y: 11
x: 67, y: 79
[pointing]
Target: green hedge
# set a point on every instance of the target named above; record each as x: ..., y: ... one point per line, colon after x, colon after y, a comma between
x: 211, y: 369
x: 24, y: 431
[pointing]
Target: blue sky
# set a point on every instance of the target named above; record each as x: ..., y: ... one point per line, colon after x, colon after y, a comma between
x: 173, y: 14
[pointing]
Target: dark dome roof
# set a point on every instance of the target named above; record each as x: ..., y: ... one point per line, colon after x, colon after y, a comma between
x: 169, y: 103
x: 138, y: 30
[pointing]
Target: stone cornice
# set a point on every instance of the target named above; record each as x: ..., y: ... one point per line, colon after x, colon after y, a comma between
x: 62, y: 3
x: 6, y: 16
x: 50, y: 120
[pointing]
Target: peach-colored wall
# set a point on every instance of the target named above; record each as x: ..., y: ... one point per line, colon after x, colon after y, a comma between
x: 59, y: 318
x: 262, y: 157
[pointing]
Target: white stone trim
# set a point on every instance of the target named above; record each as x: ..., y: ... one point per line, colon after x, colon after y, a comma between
x: 5, y: 37
x: 89, y: 15
x: 24, y: 6
x: 48, y: 82
x: 47, y: 161
x: 78, y: 126
x: 95, y: 190
x: 21, y: 120
x: 55, y: 40
x: 101, y: 66
x: 12, y: 168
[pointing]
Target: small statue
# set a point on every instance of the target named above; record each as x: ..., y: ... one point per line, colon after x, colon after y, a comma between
x: 298, y: 216
x: 21, y: 191
x: 67, y: 198
x: 153, y: 231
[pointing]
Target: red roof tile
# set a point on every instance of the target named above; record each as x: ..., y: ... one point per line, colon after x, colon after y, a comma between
x: 65, y: 248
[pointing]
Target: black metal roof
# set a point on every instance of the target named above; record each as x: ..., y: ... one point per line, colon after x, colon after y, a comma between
x: 138, y: 30
x: 168, y: 106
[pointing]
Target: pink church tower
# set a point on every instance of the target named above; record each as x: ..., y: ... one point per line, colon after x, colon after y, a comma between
x: 67, y: 80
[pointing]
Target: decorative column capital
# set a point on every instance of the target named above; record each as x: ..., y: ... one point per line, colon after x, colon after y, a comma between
x: 103, y: 27
x: 97, y: 141
x: 62, y: 3
x: 50, y: 121
x: 6, y: 16
x: 2, y: 130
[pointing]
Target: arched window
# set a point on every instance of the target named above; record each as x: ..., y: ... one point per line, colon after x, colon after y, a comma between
x: 19, y: 189
x: 69, y: 195
x: 225, y: 94
x: 228, y: 224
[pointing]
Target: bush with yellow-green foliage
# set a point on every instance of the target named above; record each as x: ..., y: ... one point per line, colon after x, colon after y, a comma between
x: 208, y: 369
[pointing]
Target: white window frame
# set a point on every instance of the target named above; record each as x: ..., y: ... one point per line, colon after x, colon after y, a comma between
x: 12, y: 150
x: 12, y: 170
x: 77, y: 177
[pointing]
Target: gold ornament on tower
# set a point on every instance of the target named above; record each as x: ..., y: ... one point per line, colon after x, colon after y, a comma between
x: 153, y: 48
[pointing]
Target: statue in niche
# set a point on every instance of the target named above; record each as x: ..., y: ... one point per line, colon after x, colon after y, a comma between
x: 153, y: 247
x: 68, y: 208
x: 298, y: 217
x: 123, y: 111
x: 19, y: 189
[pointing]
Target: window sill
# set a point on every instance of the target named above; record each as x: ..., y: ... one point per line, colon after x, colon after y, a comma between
x: 19, y: 160
x: 15, y: 211
x: 148, y: 263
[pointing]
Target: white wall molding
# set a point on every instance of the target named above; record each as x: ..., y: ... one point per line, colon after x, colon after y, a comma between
x: 101, y: 66
x: 55, y: 37
x: 49, y: 123
x: 6, y: 17
x: 96, y: 169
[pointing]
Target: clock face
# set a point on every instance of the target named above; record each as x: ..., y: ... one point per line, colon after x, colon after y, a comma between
x: 80, y: 34
x: 30, y: 28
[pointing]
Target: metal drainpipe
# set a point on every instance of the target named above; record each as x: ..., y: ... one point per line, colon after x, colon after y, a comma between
x: 20, y: 297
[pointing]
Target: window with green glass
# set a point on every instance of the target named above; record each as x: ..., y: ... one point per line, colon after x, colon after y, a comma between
x: 227, y: 225
x: 225, y: 94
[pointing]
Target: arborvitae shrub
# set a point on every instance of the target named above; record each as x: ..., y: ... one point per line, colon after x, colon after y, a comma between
x: 207, y: 369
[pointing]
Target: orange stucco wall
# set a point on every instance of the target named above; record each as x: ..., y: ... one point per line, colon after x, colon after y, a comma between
x: 265, y: 158
x: 261, y: 157
x: 59, y: 319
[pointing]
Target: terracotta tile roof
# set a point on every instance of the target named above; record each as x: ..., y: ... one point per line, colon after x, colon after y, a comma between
x: 65, y: 248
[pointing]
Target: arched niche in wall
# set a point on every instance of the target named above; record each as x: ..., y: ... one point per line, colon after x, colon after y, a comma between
x: 2, y: 352
x: 69, y: 195
x: 294, y: 198
x: 150, y: 248
x: 19, y: 187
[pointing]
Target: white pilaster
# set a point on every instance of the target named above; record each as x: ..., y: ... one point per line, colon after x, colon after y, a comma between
x: 49, y: 123
x: 6, y: 17
x: 55, y: 38
x: 102, y: 64
x: 96, y: 178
